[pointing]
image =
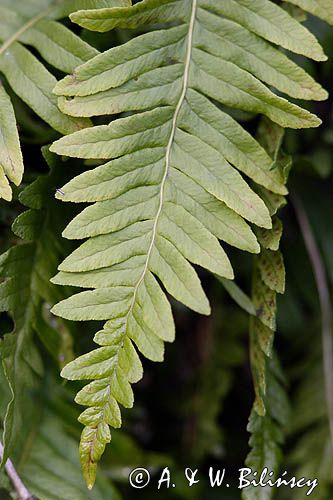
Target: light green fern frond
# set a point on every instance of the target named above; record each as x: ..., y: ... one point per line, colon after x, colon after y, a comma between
x: 34, y: 24
x: 173, y: 185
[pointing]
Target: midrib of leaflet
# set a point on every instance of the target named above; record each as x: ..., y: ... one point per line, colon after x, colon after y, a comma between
x: 7, y: 43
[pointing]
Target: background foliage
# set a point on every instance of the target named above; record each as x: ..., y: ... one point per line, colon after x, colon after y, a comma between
x: 193, y: 409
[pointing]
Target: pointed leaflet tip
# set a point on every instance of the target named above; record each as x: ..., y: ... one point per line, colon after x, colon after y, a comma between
x: 67, y: 371
x: 89, y: 474
x: 63, y: 373
x: 65, y: 86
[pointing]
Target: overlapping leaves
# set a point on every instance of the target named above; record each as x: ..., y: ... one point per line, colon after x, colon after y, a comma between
x: 34, y: 24
x: 173, y: 185
x: 27, y: 295
x: 269, y: 272
x: 46, y: 460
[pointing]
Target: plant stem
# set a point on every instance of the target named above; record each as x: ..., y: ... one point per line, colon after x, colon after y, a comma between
x: 20, y: 489
x: 325, y: 304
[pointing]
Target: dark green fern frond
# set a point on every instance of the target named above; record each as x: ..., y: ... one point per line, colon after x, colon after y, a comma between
x: 268, y: 432
x: 269, y: 272
x: 47, y: 461
x: 270, y: 411
x: 27, y: 295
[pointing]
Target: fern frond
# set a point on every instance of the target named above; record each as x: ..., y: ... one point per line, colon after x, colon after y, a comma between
x: 267, y: 432
x: 269, y: 272
x: 25, y: 270
x: 172, y: 186
x: 270, y: 410
x: 34, y: 24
